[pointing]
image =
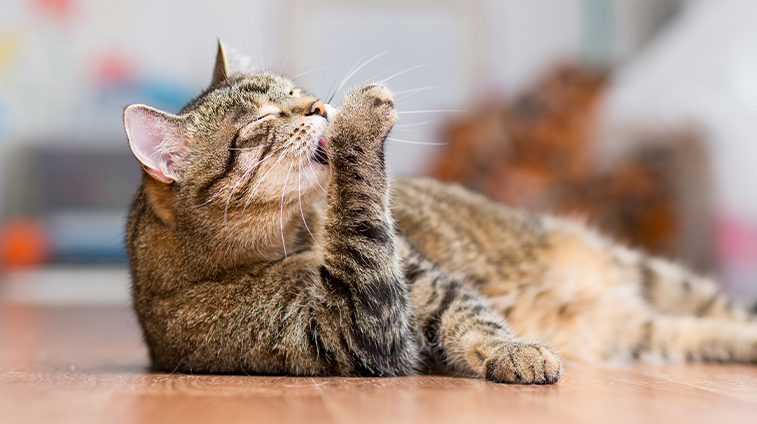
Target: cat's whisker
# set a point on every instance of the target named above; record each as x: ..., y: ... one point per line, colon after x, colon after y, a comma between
x: 409, y: 94
x: 411, y: 112
x: 377, y: 76
x: 416, y: 90
x: 414, y: 124
x: 406, y: 130
x: 329, y: 94
x: 234, y: 188
x: 285, y: 60
x: 356, y: 70
x: 320, y: 155
x: 242, y: 362
x: 281, y: 210
x: 178, y: 365
x: 245, y: 148
x: 228, y: 201
x: 252, y: 193
x: 308, y: 72
x: 241, y: 366
x: 299, y: 197
x: 314, y: 183
x: 412, y: 68
x: 310, y: 164
x: 425, y: 143
x: 209, y: 200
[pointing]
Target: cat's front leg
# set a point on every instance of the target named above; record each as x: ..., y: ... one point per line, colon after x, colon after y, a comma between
x: 361, y: 273
x: 461, y: 334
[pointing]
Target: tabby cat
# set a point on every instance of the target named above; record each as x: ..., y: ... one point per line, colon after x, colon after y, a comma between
x: 267, y: 238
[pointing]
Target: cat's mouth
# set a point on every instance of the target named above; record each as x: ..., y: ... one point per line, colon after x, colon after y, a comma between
x: 321, y: 155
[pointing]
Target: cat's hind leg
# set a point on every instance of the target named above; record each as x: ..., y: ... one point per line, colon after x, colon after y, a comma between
x: 668, y: 288
x: 673, y: 313
x: 685, y: 338
x: 674, y: 290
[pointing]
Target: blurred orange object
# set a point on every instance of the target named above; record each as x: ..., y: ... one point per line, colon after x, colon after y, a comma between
x: 23, y: 242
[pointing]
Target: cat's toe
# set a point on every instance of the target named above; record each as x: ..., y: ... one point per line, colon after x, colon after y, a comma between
x: 372, y: 98
x: 377, y: 94
x: 366, y: 116
x: 523, y: 363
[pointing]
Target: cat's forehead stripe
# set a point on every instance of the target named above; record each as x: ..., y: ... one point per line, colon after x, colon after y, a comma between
x: 264, y: 83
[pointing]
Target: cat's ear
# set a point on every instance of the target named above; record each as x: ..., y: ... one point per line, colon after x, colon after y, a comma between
x: 158, y: 140
x: 230, y: 63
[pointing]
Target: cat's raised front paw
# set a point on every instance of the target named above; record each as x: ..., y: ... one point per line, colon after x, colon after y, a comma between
x: 365, y: 117
x: 523, y: 363
x: 378, y: 100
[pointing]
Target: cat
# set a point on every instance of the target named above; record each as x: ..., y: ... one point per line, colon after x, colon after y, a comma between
x: 267, y: 238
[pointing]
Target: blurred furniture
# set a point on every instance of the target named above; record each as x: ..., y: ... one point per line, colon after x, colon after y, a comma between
x: 538, y: 153
x: 65, y: 202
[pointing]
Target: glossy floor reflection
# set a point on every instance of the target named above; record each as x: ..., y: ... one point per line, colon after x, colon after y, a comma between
x: 88, y: 365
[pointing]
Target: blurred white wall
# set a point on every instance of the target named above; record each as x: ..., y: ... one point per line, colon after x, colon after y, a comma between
x: 67, y: 68
x: 701, y: 73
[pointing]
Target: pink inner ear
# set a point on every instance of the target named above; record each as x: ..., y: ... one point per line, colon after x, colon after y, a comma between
x: 152, y: 138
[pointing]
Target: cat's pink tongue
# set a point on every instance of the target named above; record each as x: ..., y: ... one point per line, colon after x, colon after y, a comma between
x: 322, y: 142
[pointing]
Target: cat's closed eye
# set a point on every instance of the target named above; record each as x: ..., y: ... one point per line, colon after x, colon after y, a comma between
x: 269, y: 115
x: 264, y: 113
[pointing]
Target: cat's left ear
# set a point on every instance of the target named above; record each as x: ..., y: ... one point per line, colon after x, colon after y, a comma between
x: 230, y: 63
x: 158, y: 140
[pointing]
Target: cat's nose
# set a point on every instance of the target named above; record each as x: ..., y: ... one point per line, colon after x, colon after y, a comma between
x: 318, y: 108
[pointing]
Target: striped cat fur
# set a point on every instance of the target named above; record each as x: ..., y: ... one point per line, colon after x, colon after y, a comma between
x: 267, y: 238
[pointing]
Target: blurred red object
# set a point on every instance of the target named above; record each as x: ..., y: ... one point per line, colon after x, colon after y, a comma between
x: 24, y: 242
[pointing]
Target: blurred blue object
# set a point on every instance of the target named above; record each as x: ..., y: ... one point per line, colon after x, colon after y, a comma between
x: 79, y: 192
x: 87, y: 237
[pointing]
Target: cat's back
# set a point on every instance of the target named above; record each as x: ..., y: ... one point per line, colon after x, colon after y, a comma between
x: 464, y: 232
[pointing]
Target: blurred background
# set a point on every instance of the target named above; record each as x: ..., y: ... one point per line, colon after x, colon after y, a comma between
x: 636, y: 116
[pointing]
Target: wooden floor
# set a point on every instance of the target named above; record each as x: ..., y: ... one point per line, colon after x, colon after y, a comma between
x: 88, y: 365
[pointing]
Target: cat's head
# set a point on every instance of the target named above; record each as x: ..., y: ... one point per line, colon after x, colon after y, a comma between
x: 252, y: 143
